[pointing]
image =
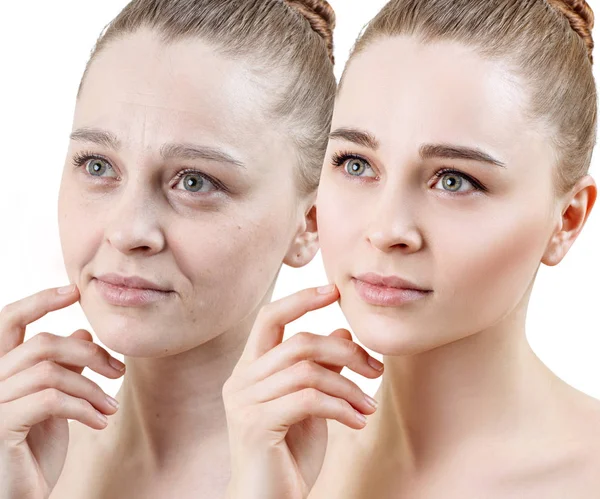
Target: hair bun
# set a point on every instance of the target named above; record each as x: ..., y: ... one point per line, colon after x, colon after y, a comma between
x: 581, y: 18
x: 321, y: 17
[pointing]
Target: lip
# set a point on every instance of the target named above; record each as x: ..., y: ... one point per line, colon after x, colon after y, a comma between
x: 134, y: 282
x: 387, y: 291
x: 129, y: 291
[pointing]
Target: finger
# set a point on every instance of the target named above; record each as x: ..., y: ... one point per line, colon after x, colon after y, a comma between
x: 48, y: 374
x: 307, y: 374
x: 20, y: 415
x: 298, y: 406
x: 15, y: 317
x: 269, y: 326
x: 330, y: 350
x: 339, y: 333
x: 80, y: 334
x: 64, y: 351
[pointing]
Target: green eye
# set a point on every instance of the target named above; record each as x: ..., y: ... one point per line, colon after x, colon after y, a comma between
x: 356, y: 167
x: 193, y: 183
x: 452, y: 182
x: 96, y: 167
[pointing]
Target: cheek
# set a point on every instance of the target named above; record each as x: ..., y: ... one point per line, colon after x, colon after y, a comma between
x: 76, y: 230
x: 488, y: 266
x: 340, y: 222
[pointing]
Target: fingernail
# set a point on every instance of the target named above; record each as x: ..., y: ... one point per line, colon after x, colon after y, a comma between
x: 117, y: 364
x: 65, y: 290
x: 375, y: 364
x: 371, y: 401
x: 102, y: 418
x: 361, y: 418
x: 112, y: 402
x: 325, y: 290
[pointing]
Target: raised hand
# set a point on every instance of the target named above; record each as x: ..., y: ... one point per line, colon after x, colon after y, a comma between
x: 41, y: 386
x: 281, y: 394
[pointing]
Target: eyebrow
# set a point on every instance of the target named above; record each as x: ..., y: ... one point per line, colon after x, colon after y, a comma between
x: 96, y: 136
x: 167, y: 151
x: 193, y: 152
x: 457, y: 152
x: 356, y: 136
x: 426, y: 151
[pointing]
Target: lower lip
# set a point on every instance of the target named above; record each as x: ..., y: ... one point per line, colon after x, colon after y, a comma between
x: 129, y: 297
x: 385, y: 296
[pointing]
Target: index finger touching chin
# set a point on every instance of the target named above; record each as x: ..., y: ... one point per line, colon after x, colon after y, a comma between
x: 269, y: 327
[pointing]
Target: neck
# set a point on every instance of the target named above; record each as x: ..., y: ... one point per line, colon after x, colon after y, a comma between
x: 171, y: 409
x: 489, y: 386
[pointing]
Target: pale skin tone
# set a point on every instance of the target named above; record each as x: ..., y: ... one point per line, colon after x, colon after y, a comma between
x: 215, y: 237
x: 465, y: 408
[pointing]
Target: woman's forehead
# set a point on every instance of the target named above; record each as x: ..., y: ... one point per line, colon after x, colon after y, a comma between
x: 186, y: 85
x: 400, y: 86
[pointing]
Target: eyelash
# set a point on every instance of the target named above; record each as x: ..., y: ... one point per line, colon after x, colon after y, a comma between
x: 339, y: 159
x: 80, y: 159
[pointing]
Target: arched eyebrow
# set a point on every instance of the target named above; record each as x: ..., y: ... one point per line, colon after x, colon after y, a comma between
x: 426, y: 151
x: 168, y: 151
x: 356, y: 136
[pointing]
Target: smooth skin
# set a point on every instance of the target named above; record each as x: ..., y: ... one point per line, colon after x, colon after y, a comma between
x: 466, y: 409
x: 40, y: 387
x: 281, y: 394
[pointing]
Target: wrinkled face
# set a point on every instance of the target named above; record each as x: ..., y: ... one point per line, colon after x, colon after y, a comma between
x: 437, y: 200
x: 170, y: 176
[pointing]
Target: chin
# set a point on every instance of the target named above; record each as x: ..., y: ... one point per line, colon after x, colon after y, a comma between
x: 133, y: 333
x: 396, y: 331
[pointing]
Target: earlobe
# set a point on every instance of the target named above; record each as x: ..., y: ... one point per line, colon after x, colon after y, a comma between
x: 574, y: 215
x: 305, y: 245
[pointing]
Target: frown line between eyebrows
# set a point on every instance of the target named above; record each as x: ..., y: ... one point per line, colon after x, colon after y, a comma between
x: 426, y: 151
x: 168, y: 151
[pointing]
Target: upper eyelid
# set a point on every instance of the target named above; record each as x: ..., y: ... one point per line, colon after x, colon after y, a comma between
x: 83, y: 158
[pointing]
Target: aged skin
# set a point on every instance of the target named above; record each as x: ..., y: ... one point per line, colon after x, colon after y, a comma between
x: 215, y: 238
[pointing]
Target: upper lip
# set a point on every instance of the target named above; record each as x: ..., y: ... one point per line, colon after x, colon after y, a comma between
x: 391, y: 281
x: 131, y: 282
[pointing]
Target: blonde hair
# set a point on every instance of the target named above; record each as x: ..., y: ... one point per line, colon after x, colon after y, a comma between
x: 548, y: 43
x: 289, y: 42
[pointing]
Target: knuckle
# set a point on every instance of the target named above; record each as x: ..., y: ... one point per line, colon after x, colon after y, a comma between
x: 306, y: 372
x: 263, y: 313
x: 343, y: 406
x: 7, y: 311
x: 45, y: 342
x: 92, y: 348
x: 47, y: 370
x: 309, y: 398
x: 52, y: 399
x: 354, y: 350
x: 305, y: 342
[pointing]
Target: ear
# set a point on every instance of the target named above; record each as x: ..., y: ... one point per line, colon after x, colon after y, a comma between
x: 305, y: 245
x: 580, y: 202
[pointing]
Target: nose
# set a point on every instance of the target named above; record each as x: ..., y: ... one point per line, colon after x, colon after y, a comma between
x: 393, y: 225
x: 133, y: 225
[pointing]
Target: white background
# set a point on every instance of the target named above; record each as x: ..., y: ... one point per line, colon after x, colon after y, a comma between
x: 43, y: 50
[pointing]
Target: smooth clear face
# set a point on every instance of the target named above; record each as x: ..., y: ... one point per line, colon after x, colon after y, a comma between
x: 455, y: 195
x: 170, y: 176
